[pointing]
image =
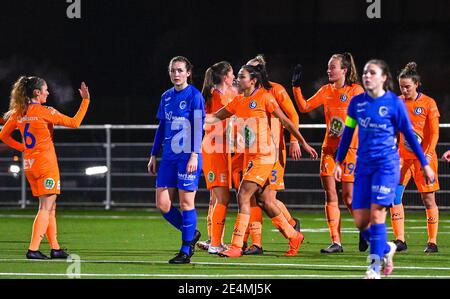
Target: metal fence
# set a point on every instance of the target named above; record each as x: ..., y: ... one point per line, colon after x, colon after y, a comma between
x: 125, y: 150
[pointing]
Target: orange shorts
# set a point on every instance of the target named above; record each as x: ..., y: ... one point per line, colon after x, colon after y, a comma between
x: 257, y: 172
x: 43, y: 180
x: 237, y: 165
x: 215, y: 169
x: 412, y: 167
x: 277, y: 175
x: 327, y: 163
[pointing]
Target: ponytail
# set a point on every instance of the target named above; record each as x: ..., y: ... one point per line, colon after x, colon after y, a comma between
x: 208, y: 86
x: 21, y: 94
x: 214, y: 76
x: 347, y: 62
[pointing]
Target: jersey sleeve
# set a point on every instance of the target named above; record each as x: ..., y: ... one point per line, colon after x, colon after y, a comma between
x: 55, y: 117
x: 270, y: 103
x: 404, y: 125
x: 288, y: 108
x: 160, y: 114
x: 312, y: 103
x: 231, y: 106
x: 197, y: 121
x: 5, y: 135
x: 351, y: 111
x: 433, y: 128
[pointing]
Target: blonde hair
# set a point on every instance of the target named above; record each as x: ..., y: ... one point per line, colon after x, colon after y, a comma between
x: 21, y: 94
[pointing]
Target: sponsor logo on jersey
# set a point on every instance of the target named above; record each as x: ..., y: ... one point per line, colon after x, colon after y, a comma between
x: 252, y: 105
x: 49, y: 183
x: 418, y: 110
x: 364, y: 122
x: 361, y: 104
x: 250, y: 136
x: 211, y: 176
x: 336, y: 126
x: 383, y: 111
x: 343, y: 97
x: 169, y: 115
x: 182, y: 105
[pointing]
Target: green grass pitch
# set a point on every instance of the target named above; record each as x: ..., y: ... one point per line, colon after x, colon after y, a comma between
x: 138, y: 244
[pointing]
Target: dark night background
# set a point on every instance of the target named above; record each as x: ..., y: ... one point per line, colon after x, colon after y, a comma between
x: 122, y: 48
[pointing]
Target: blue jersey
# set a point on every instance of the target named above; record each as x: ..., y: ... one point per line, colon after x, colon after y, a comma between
x: 182, y: 114
x: 379, y: 120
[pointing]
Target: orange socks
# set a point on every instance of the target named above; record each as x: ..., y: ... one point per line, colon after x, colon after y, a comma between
x: 432, y: 224
x: 217, y: 223
x: 285, y: 212
x: 52, y: 231
x: 255, y: 225
x: 398, y: 221
x: 209, y: 220
x: 40, y: 226
x: 284, y: 226
x: 239, y: 230
x: 333, y: 215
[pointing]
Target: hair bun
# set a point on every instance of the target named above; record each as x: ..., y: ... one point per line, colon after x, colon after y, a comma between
x: 411, y: 66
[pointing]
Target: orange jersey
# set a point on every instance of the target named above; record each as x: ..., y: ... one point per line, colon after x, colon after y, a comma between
x: 252, y: 121
x: 424, y: 116
x: 284, y: 101
x: 335, y: 102
x: 36, y: 127
x: 212, y: 135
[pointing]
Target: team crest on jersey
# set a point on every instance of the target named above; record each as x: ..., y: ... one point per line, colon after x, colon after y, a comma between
x: 252, y: 105
x: 182, y: 105
x: 49, y: 183
x: 343, y: 97
x: 211, y: 176
x: 418, y: 110
x: 383, y: 111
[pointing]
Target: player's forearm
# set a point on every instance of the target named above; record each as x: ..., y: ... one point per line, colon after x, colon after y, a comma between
x: 8, y: 140
x: 433, y: 137
x: 344, y: 144
x: 75, y: 122
x: 415, y: 146
x: 159, y: 138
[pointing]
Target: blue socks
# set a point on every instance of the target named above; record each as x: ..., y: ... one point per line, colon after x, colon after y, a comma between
x: 378, y: 243
x: 188, y: 230
x: 398, y: 194
x: 174, y: 217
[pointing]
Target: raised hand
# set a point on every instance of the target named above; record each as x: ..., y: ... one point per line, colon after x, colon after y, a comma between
x: 297, y: 75
x: 84, y: 91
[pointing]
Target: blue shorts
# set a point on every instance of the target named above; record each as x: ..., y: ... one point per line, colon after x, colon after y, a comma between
x: 375, y: 185
x: 172, y: 174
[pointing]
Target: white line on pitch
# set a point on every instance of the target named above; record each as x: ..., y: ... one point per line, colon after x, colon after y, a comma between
x: 214, y: 275
x: 226, y: 264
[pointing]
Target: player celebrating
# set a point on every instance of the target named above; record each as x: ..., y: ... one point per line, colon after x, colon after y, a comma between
x: 181, y: 114
x: 379, y: 114
x: 277, y: 177
x: 335, y: 97
x: 35, y: 123
x: 253, y: 108
x: 218, y: 91
x: 424, y: 116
